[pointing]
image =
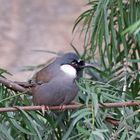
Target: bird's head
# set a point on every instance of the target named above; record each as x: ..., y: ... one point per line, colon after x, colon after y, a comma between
x: 71, y: 63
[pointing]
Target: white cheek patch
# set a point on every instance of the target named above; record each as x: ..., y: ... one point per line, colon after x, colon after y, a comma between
x: 68, y: 69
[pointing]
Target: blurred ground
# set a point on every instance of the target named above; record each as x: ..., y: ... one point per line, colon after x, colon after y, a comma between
x: 27, y: 25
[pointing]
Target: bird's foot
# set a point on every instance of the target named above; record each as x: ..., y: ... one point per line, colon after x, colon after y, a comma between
x: 47, y: 108
x: 62, y: 107
x: 43, y: 108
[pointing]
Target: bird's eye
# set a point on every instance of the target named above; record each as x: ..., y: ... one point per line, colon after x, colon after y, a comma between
x: 74, y: 62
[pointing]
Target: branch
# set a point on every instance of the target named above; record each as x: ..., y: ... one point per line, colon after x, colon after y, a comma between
x: 120, y: 104
x: 25, y: 84
x: 17, y: 86
x: 24, y: 87
x: 12, y: 85
x: 31, y: 108
x: 112, y: 121
x: 67, y: 107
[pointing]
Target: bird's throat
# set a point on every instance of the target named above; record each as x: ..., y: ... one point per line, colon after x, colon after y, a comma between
x: 69, y: 70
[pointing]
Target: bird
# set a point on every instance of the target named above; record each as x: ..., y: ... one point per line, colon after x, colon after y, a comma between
x: 56, y: 83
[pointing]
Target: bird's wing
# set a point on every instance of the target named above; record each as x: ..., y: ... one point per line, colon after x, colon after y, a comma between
x: 43, y: 75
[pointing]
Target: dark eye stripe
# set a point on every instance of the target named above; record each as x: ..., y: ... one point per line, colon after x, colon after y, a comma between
x: 81, y: 62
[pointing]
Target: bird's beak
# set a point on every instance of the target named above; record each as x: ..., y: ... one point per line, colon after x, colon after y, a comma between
x: 86, y: 65
x: 82, y: 64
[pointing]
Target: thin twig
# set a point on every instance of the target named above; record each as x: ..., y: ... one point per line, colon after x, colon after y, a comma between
x: 31, y: 108
x: 12, y: 85
x: 17, y: 86
x: 120, y: 104
x: 112, y: 121
x: 25, y: 84
x: 67, y: 107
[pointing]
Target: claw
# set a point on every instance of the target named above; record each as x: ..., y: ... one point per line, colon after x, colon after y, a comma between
x: 43, y: 109
x: 47, y: 108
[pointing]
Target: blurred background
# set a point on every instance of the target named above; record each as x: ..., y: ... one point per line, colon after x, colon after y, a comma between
x: 28, y: 25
